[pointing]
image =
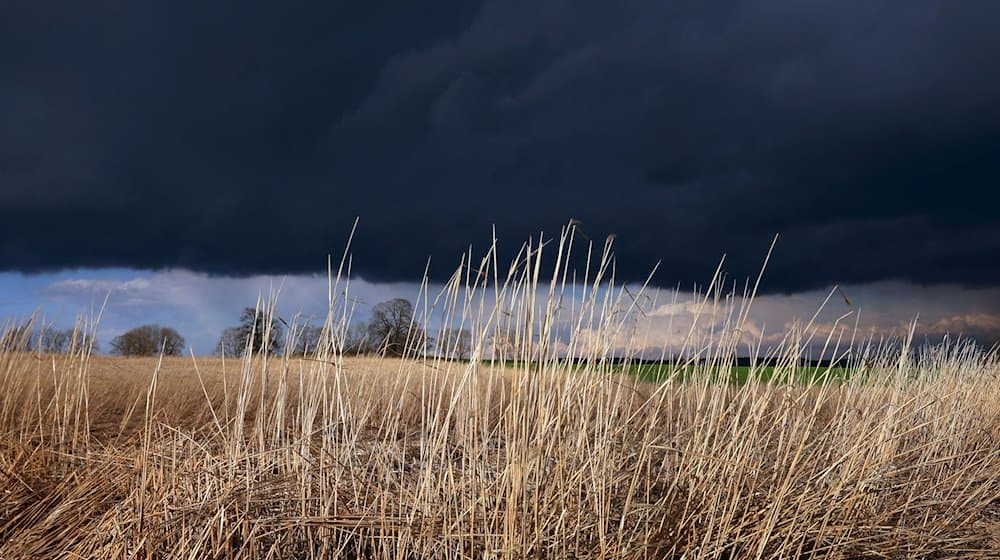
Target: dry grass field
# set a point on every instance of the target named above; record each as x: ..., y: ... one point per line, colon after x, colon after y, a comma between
x: 341, y: 457
x: 134, y: 458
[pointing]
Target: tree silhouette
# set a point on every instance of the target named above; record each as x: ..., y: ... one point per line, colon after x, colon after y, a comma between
x: 148, y: 340
x: 257, y: 332
x: 392, y: 328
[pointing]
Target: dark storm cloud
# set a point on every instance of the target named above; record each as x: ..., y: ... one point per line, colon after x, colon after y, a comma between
x: 246, y: 138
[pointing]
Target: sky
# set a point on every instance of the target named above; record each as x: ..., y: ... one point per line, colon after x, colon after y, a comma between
x: 186, y: 156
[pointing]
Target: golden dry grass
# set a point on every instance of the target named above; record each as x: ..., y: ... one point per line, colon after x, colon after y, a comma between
x: 118, y: 458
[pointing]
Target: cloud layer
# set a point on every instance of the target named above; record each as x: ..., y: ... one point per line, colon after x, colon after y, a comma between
x: 246, y: 139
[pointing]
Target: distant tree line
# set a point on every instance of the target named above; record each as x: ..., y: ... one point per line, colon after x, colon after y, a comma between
x: 391, y: 330
x: 28, y: 337
x: 146, y: 340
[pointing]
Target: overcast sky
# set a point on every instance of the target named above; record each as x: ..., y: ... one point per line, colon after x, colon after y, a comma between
x: 190, y: 153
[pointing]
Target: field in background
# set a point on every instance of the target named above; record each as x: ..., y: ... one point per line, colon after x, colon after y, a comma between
x: 658, y: 372
x: 425, y: 457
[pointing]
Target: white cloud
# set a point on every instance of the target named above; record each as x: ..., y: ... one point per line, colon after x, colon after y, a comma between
x: 886, y: 309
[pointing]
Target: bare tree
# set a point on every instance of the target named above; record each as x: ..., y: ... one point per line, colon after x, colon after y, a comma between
x: 27, y: 337
x: 456, y: 343
x: 230, y: 344
x: 356, y: 339
x: 56, y: 341
x: 257, y: 332
x: 392, y: 328
x: 77, y: 340
x: 148, y: 340
x: 307, y: 341
x: 53, y: 341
